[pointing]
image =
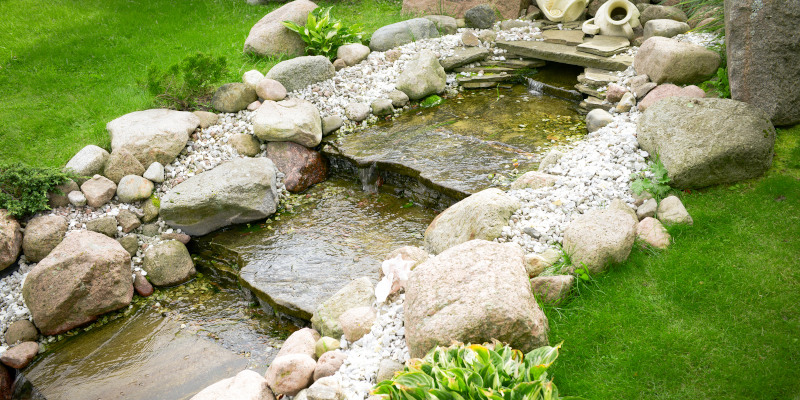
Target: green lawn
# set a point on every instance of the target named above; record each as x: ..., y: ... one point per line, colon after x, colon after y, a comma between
x: 716, y: 316
x: 69, y: 67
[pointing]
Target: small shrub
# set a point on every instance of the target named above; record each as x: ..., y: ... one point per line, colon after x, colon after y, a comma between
x: 324, y: 34
x: 658, y: 185
x: 23, y: 189
x: 188, y: 84
x: 475, y: 372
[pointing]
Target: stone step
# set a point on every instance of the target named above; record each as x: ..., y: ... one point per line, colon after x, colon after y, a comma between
x: 525, y: 63
x: 589, y: 91
x: 567, y: 37
x: 605, y: 46
x: 487, y: 78
x: 487, y: 70
x: 564, y: 54
x: 592, y: 103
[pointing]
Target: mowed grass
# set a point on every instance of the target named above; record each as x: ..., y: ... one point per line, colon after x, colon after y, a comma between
x: 69, y: 67
x: 716, y: 316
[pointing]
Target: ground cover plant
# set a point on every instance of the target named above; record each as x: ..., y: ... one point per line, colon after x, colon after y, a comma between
x: 23, y: 189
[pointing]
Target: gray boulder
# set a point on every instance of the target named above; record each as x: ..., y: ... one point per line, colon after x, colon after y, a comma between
x: 105, y: 225
x: 89, y: 161
x: 358, y: 293
x: 245, y: 144
x: 246, y: 385
x: 269, y: 37
x: 671, y: 211
x: 763, y: 55
x: 122, y: 162
x: 154, y: 173
x: 481, y: 17
x: 10, y: 239
x: 668, y: 60
x: 352, y: 53
x: 133, y: 188
x: 597, y: 119
x: 664, y: 27
x: 153, y: 135
x: 233, y: 97
x: 403, y: 32
x: 291, y: 120
x: 704, y: 142
x: 446, y: 25
x: 251, y: 78
x: 599, y: 238
x: 398, y: 98
x: 534, y: 180
x: 662, y: 12
x: 357, y: 112
x: 237, y: 191
x: 297, y: 73
x: 85, y: 276
x: 42, y: 235
x: 463, y: 56
x: 168, y: 263
x: 130, y: 243
x: 422, y: 76
x: 480, y: 216
x: 448, y: 299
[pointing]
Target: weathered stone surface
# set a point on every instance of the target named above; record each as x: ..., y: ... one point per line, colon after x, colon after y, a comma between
x: 128, y: 221
x: 292, y: 120
x: 534, y: 180
x: 326, y: 388
x: 469, y: 39
x: 597, y: 119
x: 508, y: 9
x: 246, y: 385
x: 252, y: 77
x: 448, y: 298
x: 653, y: 233
x: 382, y: 107
x: 21, y: 331
x: 666, y: 90
x: 233, y: 97
x: 604, y: 45
x: 352, y: 53
x: 98, y: 191
x: 331, y: 124
x: 672, y: 211
x: 328, y: 363
x: 664, y: 27
x: 626, y: 103
x: 270, y: 89
x: 301, y: 166
x: 206, y: 118
x: 181, y: 237
x: 357, y: 112
x: 42, y: 235
x: 153, y: 135
x: 357, y: 322
x: 325, y: 344
x: 6, y: 383
x: 85, y: 276
x: 141, y: 285
x: 403, y: 32
x: 480, y: 216
x: 704, y: 142
x: 399, y: 99
x: 297, y: 73
x: 76, y: 198
x: 237, y: 191
x: 643, y: 89
x: 662, y: 12
x: 668, y: 60
x: 150, y: 209
x: 339, y: 64
x: 358, y: 293
x: 564, y: 54
x: 446, y: 25
x: 289, y: 374
x: 481, y: 17
x: 410, y: 253
x: 463, y: 56
x: 599, y: 238
x: 535, y: 264
x: 154, y: 173
x: 303, y: 341
x: 254, y: 106
x: 269, y: 37
x: 105, y: 225
x: 387, y: 368
x: 89, y: 161
x: 245, y: 144
x: 10, y: 239
x: 133, y: 188
x: 647, y: 209
x: 553, y: 289
x: 422, y: 77
x: 130, y: 243
x: 763, y: 54
x: 122, y: 162
x: 21, y: 355
x: 59, y: 197
x: 168, y: 263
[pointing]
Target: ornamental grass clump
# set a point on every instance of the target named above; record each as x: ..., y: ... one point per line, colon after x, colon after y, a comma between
x: 475, y: 372
x: 324, y: 34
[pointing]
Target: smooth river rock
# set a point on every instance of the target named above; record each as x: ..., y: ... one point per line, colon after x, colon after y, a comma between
x: 10, y: 239
x: 400, y: 33
x: 291, y: 120
x: 299, y: 72
x: 153, y: 135
x: 598, y: 238
x: 246, y: 385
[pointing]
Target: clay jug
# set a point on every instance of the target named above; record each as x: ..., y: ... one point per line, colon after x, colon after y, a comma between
x: 562, y: 10
x: 614, y: 18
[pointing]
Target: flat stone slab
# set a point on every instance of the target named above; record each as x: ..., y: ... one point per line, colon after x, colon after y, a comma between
x: 487, y: 78
x: 567, y: 37
x: 517, y: 63
x: 564, y: 54
x: 589, y: 91
x: 592, y: 103
x: 464, y: 56
x: 598, y: 77
x: 605, y: 46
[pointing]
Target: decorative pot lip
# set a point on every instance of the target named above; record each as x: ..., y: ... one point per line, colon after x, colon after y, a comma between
x: 629, y: 7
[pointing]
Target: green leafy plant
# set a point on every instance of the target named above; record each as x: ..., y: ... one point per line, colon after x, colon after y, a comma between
x: 658, y: 185
x: 719, y: 84
x: 188, y: 84
x: 23, y: 189
x: 324, y: 34
x: 475, y: 372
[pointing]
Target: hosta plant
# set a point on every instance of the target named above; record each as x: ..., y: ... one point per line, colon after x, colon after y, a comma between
x: 475, y: 372
x: 324, y: 34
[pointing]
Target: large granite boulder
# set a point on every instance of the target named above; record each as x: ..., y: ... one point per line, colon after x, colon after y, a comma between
x: 301, y: 166
x: 89, y: 161
x: 233, y: 97
x: 85, y: 276
x: 268, y: 37
x: 10, y: 239
x: 291, y: 120
x: 599, y: 238
x: 168, y: 263
x: 120, y: 163
x: 463, y: 295
x: 246, y: 385
x: 299, y: 72
x: 153, y: 135
x: 422, y: 76
x: 358, y: 293
x: 480, y: 216
x: 457, y: 8
x: 42, y: 235
x: 668, y: 60
x: 763, y: 55
x: 237, y: 191
x: 400, y: 33
x: 704, y: 142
